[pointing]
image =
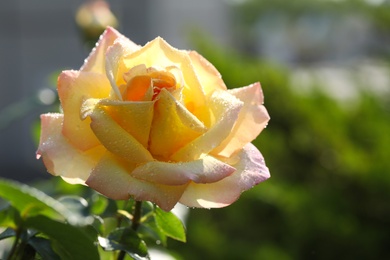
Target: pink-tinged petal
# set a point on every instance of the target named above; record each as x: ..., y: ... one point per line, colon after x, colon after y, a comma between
x: 251, y: 170
x: 252, y: 119
x: 208, y: 75
x: 112, y: 178
x: 173, y: 126
x: 115, y: 67
x: 60, y: 157
x: 225, y: 109
x: 116, y: 139
x: 73, y: 88
x: 205, y: 170
x: 158, y: 53
x: 96, y: 59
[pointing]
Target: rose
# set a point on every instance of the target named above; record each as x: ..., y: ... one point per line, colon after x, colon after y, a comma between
x: 154, y: 123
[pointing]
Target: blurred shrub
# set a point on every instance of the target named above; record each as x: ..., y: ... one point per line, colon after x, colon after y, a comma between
x: 328, y: 196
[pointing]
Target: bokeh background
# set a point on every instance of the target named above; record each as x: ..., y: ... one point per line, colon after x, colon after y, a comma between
x: 325, y: 71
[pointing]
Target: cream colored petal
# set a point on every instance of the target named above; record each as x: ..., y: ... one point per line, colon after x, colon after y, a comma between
x: 96, y: 59
x: 251, y: 170
x: 112, y: 178
x: 115, y: 67
x: 172, y: 127
x: 159, y: 53
x: 225, y: 109
x: 73, y: 88
x: 205, y: 170
x: 116, y: 139
x: 208, y: 75
x: 60, y: 157
x: 252, y: 119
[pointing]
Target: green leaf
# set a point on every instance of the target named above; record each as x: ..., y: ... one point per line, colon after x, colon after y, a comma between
x: 30, y: 201
x: 125, y: 239
x: 9, y: 217
x: 79, y: 208
x: 68, y: 241
x: 149, y: 231
x: 43, y: 247
x: 170, y: 224
x: 9, y: 232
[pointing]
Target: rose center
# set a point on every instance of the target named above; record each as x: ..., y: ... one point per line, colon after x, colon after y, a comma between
x: 148, y: 86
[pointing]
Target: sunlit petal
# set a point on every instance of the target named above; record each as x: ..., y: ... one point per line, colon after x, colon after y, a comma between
x: 60, y: 157
x: 208, y: 75
x: 96, y: 59
x: 116, y: 139
x: 112, y: 178
x: 73, y: 88
x: 172, y: 127
x: 205, y: 170
x: 225, y: 109
x: 251, y: 121
x: 251, y: 170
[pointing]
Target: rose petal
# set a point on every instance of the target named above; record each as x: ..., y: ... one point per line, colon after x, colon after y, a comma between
x: 205, y: 170
x: 251, y: 170
x: 115, y: 67
x: 225, y: 108
x: 251, y: 121
x: 60, y: 157
x: 73, y: 88
x: 208, y: 75
x: 112, y: 178
x: 172, y: 127
x: 96, y: 59
x: 116, y: 139
x: 158, y: 53
x: 134, y: 117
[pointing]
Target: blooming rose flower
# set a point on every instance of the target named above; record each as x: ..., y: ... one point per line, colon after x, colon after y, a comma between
x: 154, y: 123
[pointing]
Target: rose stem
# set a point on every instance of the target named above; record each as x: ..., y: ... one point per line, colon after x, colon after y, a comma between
x: 134, y: 225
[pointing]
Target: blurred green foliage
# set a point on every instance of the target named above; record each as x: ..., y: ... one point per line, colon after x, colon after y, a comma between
x: 329, y: 192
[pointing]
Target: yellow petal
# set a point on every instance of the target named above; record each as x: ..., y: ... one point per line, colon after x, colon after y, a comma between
x: 251, y: 121
x: 159, y: 53
x: 225, y: 109
x: 172, y: 127
x: 116, y: 139
x: 208, y: 75
x: 134, y: 117
x: 73, y: 88
x: 60, y: 157
x: 112, y: 178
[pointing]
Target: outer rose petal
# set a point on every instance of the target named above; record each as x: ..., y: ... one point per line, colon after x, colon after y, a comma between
x: 116, y: 139
x: 225, y: 108
x: 96, y: 60
x: 251, y: 170
x: 251, y: 121
x: 57, y: 152
x: 73, y: 88
x: 172, y: 127
x: 208, y: 75
x: 112, y: 178
x: 205, y: 170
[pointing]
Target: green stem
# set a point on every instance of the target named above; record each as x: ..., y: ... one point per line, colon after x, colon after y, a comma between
x: 135, y: 222
x: 15, y: 244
